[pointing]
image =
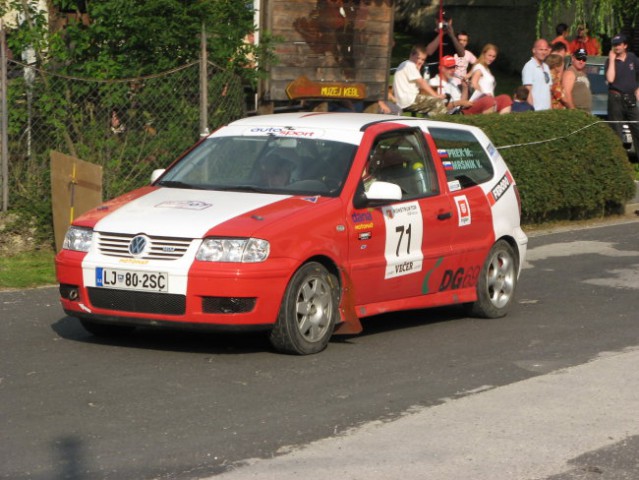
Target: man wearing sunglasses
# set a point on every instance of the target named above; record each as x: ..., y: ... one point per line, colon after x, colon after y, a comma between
x: 622, y: 68
x: 576, y: 84
x: 536, y: 76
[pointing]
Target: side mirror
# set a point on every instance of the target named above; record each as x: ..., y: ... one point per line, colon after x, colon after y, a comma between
x: 384, y: 191
x: 156, y: 174
x: 379, y: 193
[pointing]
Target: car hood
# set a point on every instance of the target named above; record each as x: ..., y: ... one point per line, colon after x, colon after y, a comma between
x: 197, y: 213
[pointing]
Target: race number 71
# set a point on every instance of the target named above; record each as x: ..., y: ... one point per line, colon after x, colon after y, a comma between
x: 401, y: 230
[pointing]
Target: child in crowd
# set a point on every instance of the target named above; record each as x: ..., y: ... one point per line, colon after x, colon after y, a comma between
x: 520, y: 103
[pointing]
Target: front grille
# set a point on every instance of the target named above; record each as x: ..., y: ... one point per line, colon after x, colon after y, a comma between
x: 227, y: 304
x: 137, y: 302
x: 161, y: 248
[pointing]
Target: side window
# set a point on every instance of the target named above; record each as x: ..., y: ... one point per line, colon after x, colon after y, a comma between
x: 463, y: 157
x: 402, y: 159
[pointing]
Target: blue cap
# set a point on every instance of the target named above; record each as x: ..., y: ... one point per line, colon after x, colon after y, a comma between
x: 618, y: 39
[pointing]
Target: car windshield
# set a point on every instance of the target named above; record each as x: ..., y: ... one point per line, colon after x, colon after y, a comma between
x: 267, y: 164
x: 597, y: 77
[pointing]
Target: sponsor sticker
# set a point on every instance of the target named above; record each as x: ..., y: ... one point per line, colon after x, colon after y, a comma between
x: 454, y: 186
x: 491, y: 149
x: 404, y: 234
x: 358, y: 217
x: 184, y: 205
x: 286, y: 132
x: 363, y: 220
x: 364, y: 226
x: 463, y: 210
x: 498, y: 190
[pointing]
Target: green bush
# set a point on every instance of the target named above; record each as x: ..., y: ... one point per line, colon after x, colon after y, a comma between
x: 568, y: 165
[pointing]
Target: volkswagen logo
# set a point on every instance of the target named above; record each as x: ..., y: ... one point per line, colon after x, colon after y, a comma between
x: 138, y: 245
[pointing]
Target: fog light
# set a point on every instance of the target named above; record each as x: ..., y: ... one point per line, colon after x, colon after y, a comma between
x: 69, y: 292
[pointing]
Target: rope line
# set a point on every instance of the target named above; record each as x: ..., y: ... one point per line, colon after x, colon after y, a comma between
x: 564, y: 136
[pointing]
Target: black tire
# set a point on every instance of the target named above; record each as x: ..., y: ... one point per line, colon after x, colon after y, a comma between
x: 308, y: 312
x: 106, y: 330
x: 497, y: 283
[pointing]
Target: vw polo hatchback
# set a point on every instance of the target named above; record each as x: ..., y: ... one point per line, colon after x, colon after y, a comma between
x: 302, y: 224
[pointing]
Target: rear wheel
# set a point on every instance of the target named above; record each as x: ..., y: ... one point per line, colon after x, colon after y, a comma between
x: 497, y: 282
x: 308, y: 312
x: 105, y: 329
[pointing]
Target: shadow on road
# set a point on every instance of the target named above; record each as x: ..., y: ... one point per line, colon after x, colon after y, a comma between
x: 222, y: 342
x: 168, y: 339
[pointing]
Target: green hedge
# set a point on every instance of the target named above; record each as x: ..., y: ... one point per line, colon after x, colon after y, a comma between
x: 579, y: 169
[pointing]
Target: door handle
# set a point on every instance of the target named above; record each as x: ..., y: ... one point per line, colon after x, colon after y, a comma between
x: 444, y: 216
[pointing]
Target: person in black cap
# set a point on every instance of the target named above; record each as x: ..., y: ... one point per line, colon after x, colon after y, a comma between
x: 576, y: 83
x: 622, y: 69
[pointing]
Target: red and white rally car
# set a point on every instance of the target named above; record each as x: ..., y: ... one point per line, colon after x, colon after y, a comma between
x: 302, y: 224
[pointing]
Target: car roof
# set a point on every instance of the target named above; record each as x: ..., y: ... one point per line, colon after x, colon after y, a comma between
x: 327, y: 120
x: 596, y: 60
x: 338, y: 121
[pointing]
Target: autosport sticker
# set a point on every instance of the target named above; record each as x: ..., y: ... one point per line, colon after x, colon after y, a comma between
x: 286, y: 132
x: 463, y: 210
x: 404, y: 234
x: 498, y: 190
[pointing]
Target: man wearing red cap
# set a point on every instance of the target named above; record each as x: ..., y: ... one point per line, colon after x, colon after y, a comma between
x: 456, y: 99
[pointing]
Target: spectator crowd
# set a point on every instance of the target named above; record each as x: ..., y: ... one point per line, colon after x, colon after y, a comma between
x: 451, y: 79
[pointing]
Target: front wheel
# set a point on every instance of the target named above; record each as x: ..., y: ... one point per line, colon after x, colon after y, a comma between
x: 308, y: 312
x: 497, y: 282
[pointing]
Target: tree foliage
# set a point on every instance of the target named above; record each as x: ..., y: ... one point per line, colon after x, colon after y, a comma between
x: 606, y: 16
x: 115, y: 65
x: 128, y: 38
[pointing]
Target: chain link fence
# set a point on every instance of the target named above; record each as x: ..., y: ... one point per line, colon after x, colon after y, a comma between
x: 129, y: 127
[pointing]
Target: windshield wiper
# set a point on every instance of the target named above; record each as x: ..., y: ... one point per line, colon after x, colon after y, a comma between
x: 242, y: 188
x: 175, y: 184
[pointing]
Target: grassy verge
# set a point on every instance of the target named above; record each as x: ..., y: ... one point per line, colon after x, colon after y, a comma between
x: 27, y: 269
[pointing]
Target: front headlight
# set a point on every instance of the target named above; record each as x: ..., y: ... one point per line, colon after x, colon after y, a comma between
x: 78, y: 238
x: 243, y: 250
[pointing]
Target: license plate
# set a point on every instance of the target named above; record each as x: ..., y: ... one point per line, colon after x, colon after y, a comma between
x: 132, y: 280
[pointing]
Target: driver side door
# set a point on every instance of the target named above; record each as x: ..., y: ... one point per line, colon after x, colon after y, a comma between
x: 394, y: 245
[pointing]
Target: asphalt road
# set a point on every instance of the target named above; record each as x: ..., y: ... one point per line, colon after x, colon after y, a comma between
x: 402, y: 397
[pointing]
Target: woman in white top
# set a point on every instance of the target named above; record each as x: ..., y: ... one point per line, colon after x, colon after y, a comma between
x: 483, y: 81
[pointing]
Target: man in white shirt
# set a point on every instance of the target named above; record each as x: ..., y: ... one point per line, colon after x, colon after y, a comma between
x: 536, y: 76
x: 412, y: 92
